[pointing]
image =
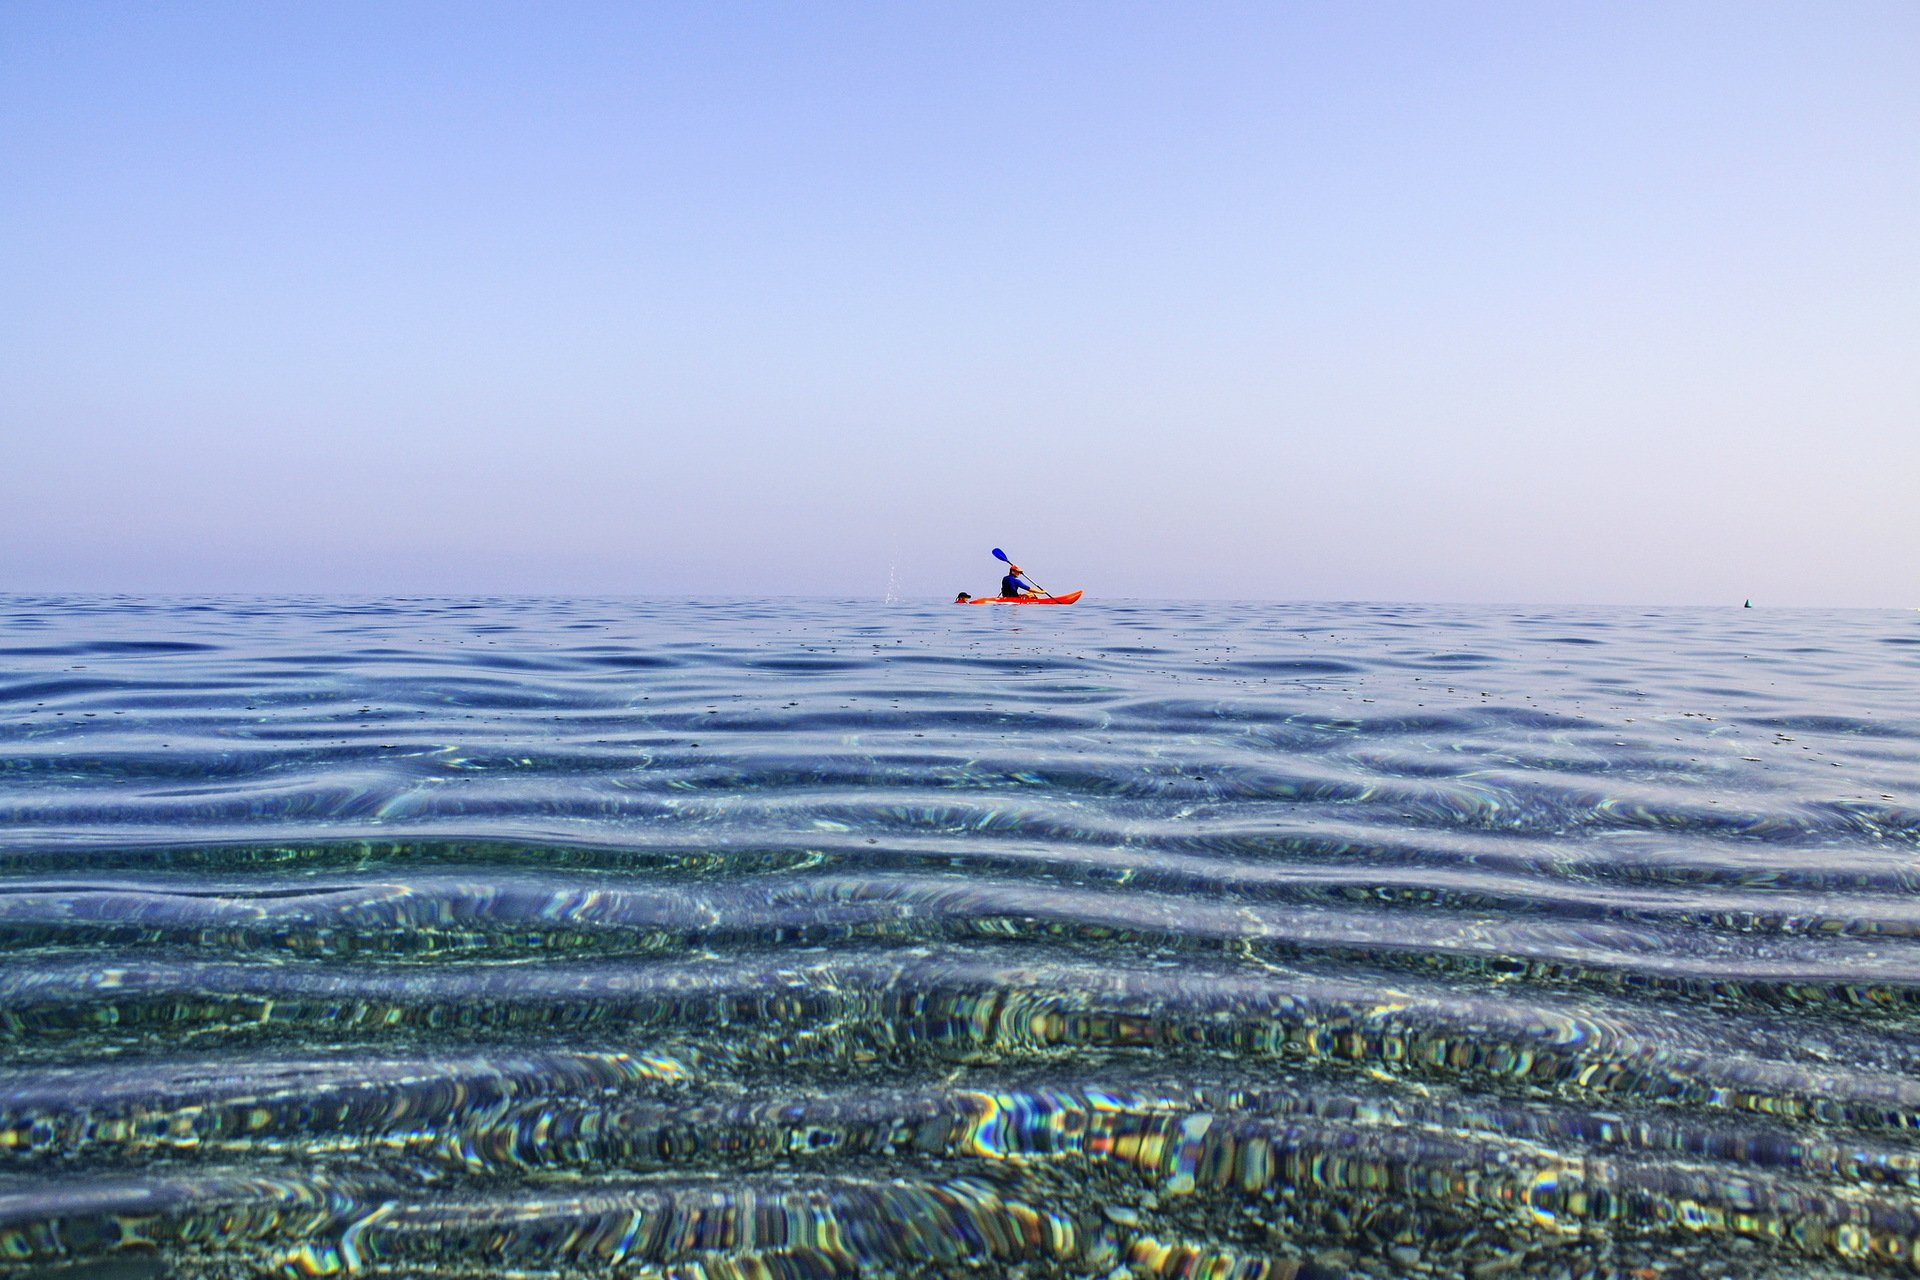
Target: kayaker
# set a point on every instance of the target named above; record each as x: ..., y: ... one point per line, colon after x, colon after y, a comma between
x: 962, y: 598
x: 1013, y: 586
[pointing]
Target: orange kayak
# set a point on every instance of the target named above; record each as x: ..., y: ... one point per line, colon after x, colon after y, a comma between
x: 1068, y: 598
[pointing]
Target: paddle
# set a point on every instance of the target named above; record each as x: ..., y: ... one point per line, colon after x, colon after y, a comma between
x: 998, y: 554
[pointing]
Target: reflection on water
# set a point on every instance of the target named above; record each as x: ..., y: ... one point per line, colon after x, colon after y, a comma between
x: 784, y: 939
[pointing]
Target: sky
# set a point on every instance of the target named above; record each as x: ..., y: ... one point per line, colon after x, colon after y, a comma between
x: 1485, y: 302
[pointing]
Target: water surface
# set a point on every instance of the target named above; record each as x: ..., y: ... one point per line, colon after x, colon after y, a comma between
x: 776, y: 938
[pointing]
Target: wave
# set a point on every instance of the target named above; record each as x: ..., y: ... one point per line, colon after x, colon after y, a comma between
x: 762, y: 938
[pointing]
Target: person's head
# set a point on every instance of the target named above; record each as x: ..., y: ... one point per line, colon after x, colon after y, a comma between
x: 962, y: 598
x: 1014, y: 568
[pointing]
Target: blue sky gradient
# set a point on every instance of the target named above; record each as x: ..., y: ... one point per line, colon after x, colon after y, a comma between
x: 1481, y: 302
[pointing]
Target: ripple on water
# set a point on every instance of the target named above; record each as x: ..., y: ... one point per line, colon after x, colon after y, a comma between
x: 762, y: 938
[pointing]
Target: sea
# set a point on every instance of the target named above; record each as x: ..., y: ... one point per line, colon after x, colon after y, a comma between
x: 788, y: 939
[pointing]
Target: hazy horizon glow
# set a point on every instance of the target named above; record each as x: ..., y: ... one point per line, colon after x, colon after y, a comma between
x: 1483, y: 302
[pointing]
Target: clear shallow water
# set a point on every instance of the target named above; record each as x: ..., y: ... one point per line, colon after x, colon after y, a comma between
x: 801, y: 939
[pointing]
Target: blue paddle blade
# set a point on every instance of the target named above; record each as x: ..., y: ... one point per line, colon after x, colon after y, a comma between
x: 998, y: 554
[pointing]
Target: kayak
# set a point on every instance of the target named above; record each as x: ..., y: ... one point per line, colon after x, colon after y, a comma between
x: 1068, y: 598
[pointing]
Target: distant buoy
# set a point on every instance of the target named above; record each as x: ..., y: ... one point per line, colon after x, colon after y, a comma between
x: 1749, y: 604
